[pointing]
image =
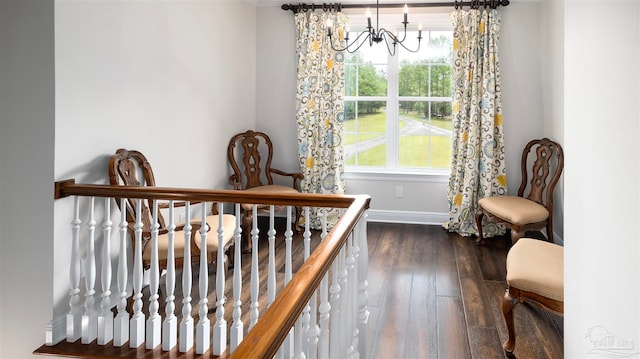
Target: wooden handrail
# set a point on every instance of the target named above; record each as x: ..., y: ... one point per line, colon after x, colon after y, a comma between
x: 268, y: 334
x: 265, y: 338
x: 70, y: 188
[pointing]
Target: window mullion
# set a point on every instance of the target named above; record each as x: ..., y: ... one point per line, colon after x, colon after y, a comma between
x: 393, y: 128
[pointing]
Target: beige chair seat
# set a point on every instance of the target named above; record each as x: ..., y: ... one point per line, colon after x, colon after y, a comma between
x: 514, y: 209
x: 537, y: 266
x: 228, y: 222
x: 272, y: 188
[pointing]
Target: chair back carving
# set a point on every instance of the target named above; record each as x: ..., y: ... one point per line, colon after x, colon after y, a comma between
x: 131, y: 168
x: 543, y: 173
x: 245, y: 159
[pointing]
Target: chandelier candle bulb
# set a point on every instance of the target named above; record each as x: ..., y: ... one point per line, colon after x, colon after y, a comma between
x: 329, y: 25
x: 375, y: 35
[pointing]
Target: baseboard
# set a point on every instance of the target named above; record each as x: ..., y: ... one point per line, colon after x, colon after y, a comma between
x: 434, y: 218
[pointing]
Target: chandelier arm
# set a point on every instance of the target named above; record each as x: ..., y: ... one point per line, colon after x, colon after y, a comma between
x: 416, y: 50
x: 392, y: 51
x: 355, y: 41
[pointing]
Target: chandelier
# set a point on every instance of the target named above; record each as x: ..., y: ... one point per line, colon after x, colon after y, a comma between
x: 376, y: 34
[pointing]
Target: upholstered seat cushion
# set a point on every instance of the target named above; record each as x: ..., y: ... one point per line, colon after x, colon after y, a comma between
x: 228, y: 223
x: 271, y: 189
x: 537, y: 266
x: 514, y: 209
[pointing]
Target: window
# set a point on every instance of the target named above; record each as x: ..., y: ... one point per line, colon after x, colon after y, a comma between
x: 398, y: 108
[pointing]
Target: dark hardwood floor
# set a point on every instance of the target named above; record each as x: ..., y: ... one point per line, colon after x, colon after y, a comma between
x: 434, y: 294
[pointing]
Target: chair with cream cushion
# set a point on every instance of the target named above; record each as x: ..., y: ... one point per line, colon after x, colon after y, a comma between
x: 532, y: 209
x: 131, y: 168
x: 535, y: 273
x: 250, y: 154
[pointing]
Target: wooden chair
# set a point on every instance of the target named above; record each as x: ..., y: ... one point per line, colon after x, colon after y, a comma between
x: 535, y: 273
x: 250, y: 154
x: 542, y: 164
x: 131, y: 168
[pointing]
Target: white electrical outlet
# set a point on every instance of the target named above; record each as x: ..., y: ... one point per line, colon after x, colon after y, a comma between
x: 399, y: 192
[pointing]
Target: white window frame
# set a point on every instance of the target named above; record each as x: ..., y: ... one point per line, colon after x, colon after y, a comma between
x: 392, y: 171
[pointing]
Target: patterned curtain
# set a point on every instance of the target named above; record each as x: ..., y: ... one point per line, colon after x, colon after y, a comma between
x: 320, y: 107
x: 478, y: 161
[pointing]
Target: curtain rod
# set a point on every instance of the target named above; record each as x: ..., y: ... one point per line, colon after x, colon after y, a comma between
x: 338, y: 6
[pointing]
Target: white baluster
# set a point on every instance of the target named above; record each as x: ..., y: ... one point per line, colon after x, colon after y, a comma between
x: 90, y: 317
x: 237, y: 327
x: 185, y: 338
x: 220, y: 326
x: 271, y: 274
x: 287, y: 347
x: 202, y: 328
x: 121, y: 324
x: 136, y: 324
x: 296, y: 336
x: 310, y: 316
x: 154, y: 320
x: 255, y: 278
x: 325, y: 312
x: 74, y: 317
x: 345, y: 334
x: 170, y: 323
x: 334, y: 289
x: 350, y: 300
x: 363, y: 272
x: 325, y: 306
x: 105, y: 318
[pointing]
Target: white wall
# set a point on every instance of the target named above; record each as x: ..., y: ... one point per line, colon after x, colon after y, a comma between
x: 425, y: 197
x: 552, y: 66
x: 26, y: 174
x: 166, y: 78
x: 602, y: 198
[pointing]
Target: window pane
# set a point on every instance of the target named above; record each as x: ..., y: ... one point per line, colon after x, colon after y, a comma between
x: 440, y: 81
x: 425, y: 134
x: 365, y: 133
x: 419, y: 84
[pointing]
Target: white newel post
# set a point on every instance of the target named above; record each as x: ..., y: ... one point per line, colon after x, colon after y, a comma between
x: 90, y: 317
x: 237, y: 327
x: 255, y: 278
x: 121, y: 323
x: 136, y: 324
x: 202, y: 328
x: 170, y: 323
x: 154, y: 320
x: 185, y: 335
x: 74, y: 317
x: 105, y: 318
x: 220, y: 327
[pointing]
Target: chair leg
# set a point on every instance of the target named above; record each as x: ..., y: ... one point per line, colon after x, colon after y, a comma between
x: 479, y: 216
x: 516, y: 235
x: 296, y: 224
x: 247, y: 221
x: 550, y: 230
x: 508, y: 304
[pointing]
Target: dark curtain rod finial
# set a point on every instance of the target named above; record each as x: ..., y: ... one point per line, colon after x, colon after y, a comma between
x: 474, y: 4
